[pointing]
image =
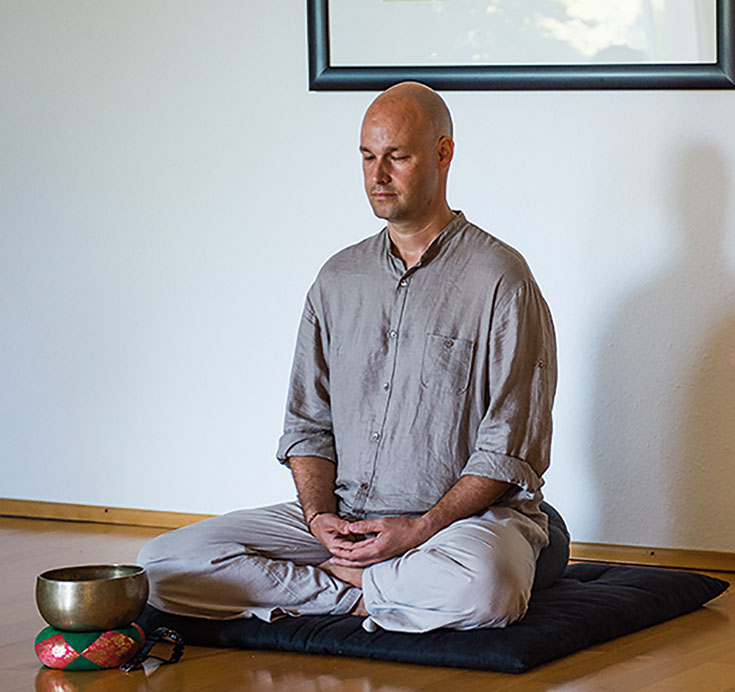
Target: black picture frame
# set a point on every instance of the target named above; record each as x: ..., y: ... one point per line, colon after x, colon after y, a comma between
x: 719, y: 75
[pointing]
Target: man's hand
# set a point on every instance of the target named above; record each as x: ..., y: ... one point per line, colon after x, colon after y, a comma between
x: 389, y: 537
x: 393, y: 536
x: 332, y: 532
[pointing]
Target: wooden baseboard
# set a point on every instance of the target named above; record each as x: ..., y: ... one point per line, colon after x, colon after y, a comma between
x: 708, y: 560
x: 62, y: 511
x: 593, y: 552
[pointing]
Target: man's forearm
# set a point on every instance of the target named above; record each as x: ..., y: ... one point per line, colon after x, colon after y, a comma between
x: 469, y: 495
x: 314, y: 478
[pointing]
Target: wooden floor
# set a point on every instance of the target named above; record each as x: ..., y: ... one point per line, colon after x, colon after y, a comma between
x: 694, y: 653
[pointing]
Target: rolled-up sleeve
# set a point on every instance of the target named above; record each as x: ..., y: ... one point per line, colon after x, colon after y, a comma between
x: 514, y: 436
x: 307, y: 427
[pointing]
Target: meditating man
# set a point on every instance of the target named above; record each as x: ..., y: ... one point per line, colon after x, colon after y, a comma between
x: 418, y: 422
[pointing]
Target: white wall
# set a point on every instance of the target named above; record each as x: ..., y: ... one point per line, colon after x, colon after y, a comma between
x: 169, y: 187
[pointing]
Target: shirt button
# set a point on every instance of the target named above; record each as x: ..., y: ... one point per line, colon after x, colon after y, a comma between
x: 393, y: 334
x: 364, y: 486
x: 375, y: 436
x: 449, y: 343
x: 404, y: 283
x: 386, y: 386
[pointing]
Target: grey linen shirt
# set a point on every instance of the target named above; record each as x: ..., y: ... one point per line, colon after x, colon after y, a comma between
x: 409, y: 379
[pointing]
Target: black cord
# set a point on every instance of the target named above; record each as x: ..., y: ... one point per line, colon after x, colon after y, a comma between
x: 160, y: 634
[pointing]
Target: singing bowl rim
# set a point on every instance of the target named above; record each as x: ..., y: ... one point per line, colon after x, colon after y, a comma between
x: 55, y: 575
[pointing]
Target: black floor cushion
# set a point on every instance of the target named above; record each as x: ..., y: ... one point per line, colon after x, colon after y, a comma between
x: 591, y: 603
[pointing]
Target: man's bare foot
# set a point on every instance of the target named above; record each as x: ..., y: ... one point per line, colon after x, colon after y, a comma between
x: 351, y: 575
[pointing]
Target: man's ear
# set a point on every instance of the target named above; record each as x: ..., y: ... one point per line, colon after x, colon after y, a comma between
x: 445, y: 151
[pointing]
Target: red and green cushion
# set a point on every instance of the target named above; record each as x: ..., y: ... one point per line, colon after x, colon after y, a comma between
x: 88, y: 650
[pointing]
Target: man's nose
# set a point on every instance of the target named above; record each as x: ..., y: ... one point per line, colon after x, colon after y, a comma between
x: 382, y: 173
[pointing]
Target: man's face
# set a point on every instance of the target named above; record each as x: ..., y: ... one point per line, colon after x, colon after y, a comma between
x: 399, y: 162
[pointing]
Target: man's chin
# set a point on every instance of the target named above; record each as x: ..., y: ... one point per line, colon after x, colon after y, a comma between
x: 382, y: 211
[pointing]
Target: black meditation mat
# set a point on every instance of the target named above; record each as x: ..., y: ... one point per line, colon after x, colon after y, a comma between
x: 590, y: 604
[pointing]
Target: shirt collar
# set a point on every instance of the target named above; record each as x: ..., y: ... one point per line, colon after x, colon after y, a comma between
x: 434, y: 248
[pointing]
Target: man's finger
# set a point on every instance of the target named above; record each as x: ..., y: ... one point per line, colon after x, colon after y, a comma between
x: 341, y: 543
x: 342, y: 562
x: 341, y: 549
x: 344, y: 527
x: 367, y: 526
x: 347, y: 554
x: 359, y: 554
x: 357, y: 547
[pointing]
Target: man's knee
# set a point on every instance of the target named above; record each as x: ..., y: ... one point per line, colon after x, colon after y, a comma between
x: 477, y: 592
x: 184, y: 576
x: 153, y: 552
x: 495, y: 595
x: 190, y: 549
x: 158, y: 558
x: 174, y: 563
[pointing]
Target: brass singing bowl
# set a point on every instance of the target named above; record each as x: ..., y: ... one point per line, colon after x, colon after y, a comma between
x: 91, y: 597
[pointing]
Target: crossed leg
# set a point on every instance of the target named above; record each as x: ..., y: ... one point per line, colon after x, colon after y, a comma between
x: 264, y: 562
x: 261, y: 562
x: 477, y: 572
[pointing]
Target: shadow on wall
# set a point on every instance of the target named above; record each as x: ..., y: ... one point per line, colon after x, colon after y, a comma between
x: 663, y: 431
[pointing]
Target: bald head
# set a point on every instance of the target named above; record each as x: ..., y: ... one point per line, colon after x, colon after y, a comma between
x: 409, y: 96
x: 406, y: 145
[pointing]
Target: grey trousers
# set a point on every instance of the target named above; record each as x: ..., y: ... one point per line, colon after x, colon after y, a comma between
x: 263, y: 562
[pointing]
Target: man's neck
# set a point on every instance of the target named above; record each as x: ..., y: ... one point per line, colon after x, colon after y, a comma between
x: 411, y: 240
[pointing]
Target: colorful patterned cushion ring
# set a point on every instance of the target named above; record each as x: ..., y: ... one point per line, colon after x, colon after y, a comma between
x: 88, y: 650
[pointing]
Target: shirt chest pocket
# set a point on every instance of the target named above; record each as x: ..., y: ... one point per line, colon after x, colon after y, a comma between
x: 447, y: 362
